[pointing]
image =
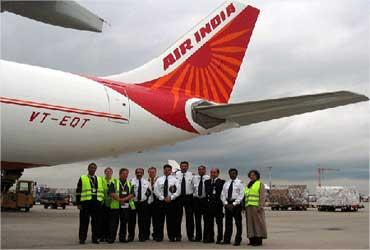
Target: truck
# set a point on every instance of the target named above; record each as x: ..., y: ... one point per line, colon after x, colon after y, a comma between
x: 19, y: 199
x: 54, y: 200
x: 289, y: 197
x: 334, y: 198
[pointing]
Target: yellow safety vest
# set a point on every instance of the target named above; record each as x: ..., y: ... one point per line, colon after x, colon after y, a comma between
x: 114, y: 203
x: 252, y: 194
x: 86, y: 191
x: 107, y: 198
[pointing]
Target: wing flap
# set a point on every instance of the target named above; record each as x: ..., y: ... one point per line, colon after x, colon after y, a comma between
x: 247, y: 113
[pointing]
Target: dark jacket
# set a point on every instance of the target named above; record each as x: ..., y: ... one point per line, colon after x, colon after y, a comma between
x: 214, y: 198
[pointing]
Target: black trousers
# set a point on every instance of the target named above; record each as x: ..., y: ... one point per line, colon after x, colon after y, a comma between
x: 214, y: 212
x: 167, y: 212
x: 187, y: 203
x: 104, y: 222
x: 236, y: 214
x: 89, y: 209
x: 140, y: 214
x: 152, y: 219
x: 121, y: 217
x: 199, y: 207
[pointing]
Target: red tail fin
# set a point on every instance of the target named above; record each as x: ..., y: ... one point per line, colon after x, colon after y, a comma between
x: 211, y: 71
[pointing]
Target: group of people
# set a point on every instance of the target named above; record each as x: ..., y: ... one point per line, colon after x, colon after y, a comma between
x: 150, y: 202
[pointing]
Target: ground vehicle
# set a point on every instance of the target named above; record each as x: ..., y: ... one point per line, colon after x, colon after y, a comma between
x: 54, y: 200
x: 294, y: 197
x: 333, y: 198
x: 21, y: 198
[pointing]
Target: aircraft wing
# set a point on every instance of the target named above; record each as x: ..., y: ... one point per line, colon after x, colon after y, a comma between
x: 247, y: 113
x: 68, y: 14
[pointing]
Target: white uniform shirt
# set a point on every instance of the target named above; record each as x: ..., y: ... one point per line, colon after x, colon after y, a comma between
x: 145, y: 185
x: 196, y: 181
x: 159, y: 187
x: 189, y: 187
x: 238, y: 192
x: 151, y: 197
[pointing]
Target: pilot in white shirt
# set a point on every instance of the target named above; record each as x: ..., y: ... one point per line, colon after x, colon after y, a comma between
x: 200, y: 202
x: 232, y: 196
x: 237, y: 192
x: 166, y: 189
x: 187, y: 179
x: 196, y: 180
x: 173, y: 190
x: 141, y: 188
x: 145, y: 189
x: 185, y: 201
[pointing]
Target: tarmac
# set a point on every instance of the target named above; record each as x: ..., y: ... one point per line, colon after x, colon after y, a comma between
x: 58, y: 229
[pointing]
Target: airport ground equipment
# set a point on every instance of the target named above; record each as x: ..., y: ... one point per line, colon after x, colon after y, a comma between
x: 54, y: 200
x: 21, y: 198
x: 293, y: 197
x: 337, y: 198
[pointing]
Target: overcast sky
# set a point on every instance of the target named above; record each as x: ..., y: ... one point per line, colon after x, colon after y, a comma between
x: 297, y: 47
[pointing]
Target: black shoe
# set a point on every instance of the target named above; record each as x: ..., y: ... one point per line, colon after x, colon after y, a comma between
x: 82, y: 242
x: 226, y: 242
x: 110, y: 241
x: 158, y: 239
x: 259, y: 242
x: 219, y: 242
x: 236, y: 243
x: 130, y: 239
x: 172, y: 239
x: 208, y: 241
x: 198, y: 239
x: 178, y: 239
x: 191, y: 239
x: 123, y: 240
x: 95, y: 241
x: 142, y: 240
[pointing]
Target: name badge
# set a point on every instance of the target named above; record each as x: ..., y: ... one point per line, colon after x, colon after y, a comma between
x: 93, y: 190
x: 214, y: 191
x: 124, y: 192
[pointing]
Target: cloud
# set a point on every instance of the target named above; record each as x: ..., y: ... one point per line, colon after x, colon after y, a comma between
x: 298, y: 47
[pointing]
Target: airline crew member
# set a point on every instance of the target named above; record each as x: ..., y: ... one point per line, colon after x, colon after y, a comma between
x: 89, y: 196
x: 105, y: 210
x: 185, y: 200
x: 141, y: 192
x: 200, y: 201
x: 122, y: 193
x: 166, y: 188
x: 215, y: 208
x: 232, y: 196
x: 152, y: 204
x: 255, y: 213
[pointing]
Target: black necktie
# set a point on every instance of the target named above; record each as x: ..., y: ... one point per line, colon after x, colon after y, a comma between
x: 230, y: 191
x: 183, y: 187
x: 200, y: 187
x: 139, y: 191
x: 165, y: 187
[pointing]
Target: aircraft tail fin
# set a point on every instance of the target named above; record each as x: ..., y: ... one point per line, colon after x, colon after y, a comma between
x: 205, y: 62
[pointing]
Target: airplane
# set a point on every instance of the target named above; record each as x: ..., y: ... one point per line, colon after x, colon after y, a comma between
x: 50, y: 117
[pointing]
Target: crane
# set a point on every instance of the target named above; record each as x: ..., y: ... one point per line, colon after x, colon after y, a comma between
x: 320, y: 171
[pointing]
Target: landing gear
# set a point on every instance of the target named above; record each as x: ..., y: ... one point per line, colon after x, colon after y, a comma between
x: 9, y: 177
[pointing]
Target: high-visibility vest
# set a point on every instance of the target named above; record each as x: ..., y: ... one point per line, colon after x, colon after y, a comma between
x: 116, y: 204
x: 86, y: 191
x: 107, y: 198
x: 252, y: 194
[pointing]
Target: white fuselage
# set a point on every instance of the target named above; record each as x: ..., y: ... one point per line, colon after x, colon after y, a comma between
x: 51, y: 117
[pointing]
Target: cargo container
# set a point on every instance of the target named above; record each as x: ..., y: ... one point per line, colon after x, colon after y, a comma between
x: 337, y: 198
x: 289, y: 197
